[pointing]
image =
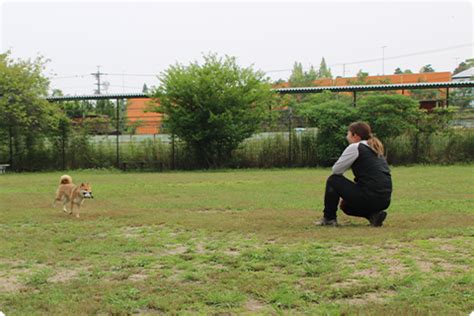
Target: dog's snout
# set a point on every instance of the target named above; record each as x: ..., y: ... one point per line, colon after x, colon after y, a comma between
x: 87, y: 194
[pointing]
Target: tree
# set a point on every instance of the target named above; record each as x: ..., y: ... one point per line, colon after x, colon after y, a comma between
x: 361, y: 79
x: 427, y: 68
x: 145, y: 88
x: 279, y: 81
x: 297, y: 77
x: 105, y: 107
x: 399, y: 71
x: 213, y: 106
x: 310, y: 75
x: 300, y: 78
x: 24, y: 111
x: 297, y: 74
x: 331, y: 113
x: 389, y: 115
x: 324, y: 71
x: 361, y: 75
x: 465, y: 65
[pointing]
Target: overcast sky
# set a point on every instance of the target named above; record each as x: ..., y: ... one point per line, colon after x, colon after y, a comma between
x: 133, y: 41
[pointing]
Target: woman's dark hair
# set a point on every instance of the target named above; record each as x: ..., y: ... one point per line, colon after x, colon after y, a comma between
x: 365, y: 133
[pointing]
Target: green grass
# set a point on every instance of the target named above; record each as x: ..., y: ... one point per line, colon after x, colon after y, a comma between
x: 239, y: 242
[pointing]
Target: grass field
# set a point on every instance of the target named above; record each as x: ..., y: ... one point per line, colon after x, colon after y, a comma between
x: 238, y: 242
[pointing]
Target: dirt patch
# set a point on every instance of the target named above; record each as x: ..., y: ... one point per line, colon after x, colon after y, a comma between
x: 232, y: 252
x: 253, y: 305
x: 370, y: 273
x: 63, y: 276
x: 13, y: 263
x: 214, y: 210
x: 10, y: 284
x: 346, y: 283
x: 447, y: 248
x: 425, y: 266
x: 138, y: 277
x: 176, y: 251
x: 345, y: 249
x: 271, y: 241
x: 395, y: 267
x: 372, y: 297
x: 200, y: 248
x: 132, y: 232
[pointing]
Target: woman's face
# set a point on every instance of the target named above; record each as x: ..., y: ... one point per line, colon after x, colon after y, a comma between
x: 352, y: 138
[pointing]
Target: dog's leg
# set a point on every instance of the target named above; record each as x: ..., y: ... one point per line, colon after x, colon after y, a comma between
x: 72, y: 206
x: 78, y: 210
x: 56, y: 199
x: 65, y: 200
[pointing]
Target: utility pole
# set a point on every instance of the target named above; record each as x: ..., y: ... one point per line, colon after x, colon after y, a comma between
x: 97, y: 76
x: 383, y: 60
x: 343, y: 70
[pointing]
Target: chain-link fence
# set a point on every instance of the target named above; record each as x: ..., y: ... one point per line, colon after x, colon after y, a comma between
x: 141, y: 142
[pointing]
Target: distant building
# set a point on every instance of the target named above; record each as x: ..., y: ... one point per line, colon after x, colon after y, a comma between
x: 145, y: 122
x: 465, y: 75
x: 140, y: 118
x: 385, y: 79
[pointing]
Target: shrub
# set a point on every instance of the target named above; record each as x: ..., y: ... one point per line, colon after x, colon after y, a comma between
x: 389, y: 115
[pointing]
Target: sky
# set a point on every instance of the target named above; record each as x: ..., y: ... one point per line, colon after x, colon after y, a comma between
x: 133, y: 42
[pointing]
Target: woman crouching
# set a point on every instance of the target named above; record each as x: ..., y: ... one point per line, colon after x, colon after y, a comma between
x: 370, y: 193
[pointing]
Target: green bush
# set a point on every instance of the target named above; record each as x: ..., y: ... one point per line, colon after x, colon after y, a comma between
x: 389, y: 115
x: 331, y: 118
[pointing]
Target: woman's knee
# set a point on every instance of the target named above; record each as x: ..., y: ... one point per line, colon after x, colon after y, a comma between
x: 333, y: 179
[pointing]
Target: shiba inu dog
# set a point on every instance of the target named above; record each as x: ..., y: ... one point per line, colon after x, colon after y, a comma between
x: 68, y: 192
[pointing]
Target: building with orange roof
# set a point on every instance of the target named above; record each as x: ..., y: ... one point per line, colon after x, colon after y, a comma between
x: 146, y: 122
x: 388, y: 79
x: 385, y: 79
x: 140, y: 116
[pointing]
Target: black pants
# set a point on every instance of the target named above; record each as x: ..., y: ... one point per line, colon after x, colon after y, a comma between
x: 356, y: 201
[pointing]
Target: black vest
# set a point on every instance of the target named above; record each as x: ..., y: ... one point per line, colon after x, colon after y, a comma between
x: 372, y: 173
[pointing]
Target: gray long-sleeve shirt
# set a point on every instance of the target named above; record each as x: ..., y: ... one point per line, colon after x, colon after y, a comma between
x: 347, y: 158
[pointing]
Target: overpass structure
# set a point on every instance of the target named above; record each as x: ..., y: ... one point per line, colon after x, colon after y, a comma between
x: 295, y: 90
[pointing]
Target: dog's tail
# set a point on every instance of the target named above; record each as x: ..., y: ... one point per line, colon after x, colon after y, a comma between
x: 65, y: 179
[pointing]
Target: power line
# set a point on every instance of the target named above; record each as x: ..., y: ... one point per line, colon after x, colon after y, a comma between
x: 385, y: 58
x: 344, y: 64
x: 120, y: 86
x: 68, y: 77
x: 405, y: 55
x: 132, y: 75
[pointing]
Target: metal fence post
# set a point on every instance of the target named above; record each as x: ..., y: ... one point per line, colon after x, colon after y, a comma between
x: 173, y: 166
x: 63, y: 144
x: 11, y: 146
x: 447, y: 97
x: 290, y: 117
x: 117, y: 119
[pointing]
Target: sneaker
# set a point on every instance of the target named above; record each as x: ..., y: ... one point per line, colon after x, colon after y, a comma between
x: 376, y: 220
x: 326, y: 222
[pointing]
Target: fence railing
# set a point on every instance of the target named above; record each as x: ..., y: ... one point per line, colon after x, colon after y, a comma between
x: 286, y: 143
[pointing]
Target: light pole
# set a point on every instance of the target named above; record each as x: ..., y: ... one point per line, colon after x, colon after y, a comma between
x: 383, y: 60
